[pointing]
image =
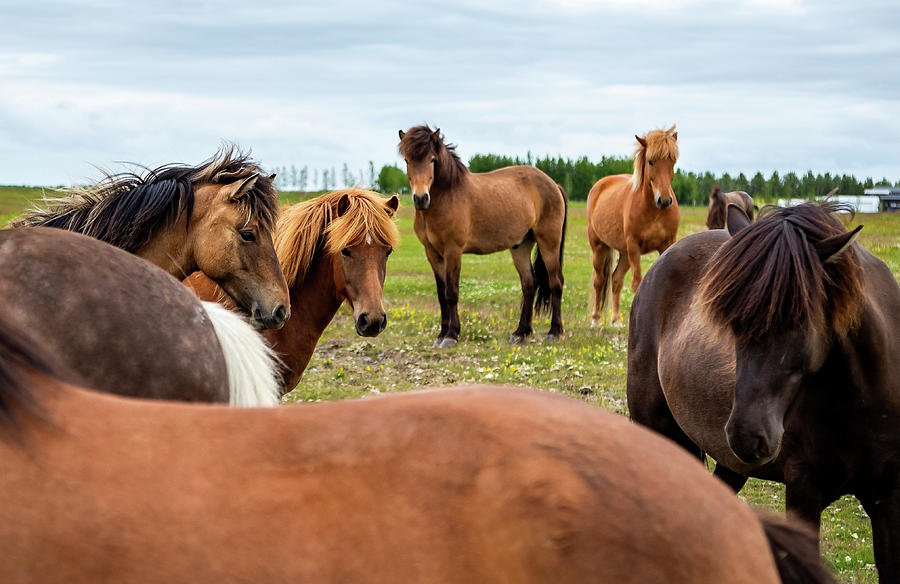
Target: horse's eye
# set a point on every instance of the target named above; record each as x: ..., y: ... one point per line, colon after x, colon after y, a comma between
x: 432, y: 160
x: 345, y: 252
x: 650, y: 162
x: 390, y: 250
x: 248, y: 236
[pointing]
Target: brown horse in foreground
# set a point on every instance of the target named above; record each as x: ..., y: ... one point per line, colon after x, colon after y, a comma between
x: 122, y: 325
x: 460, y: 485
x: 332, y: 248
x: 775, y: 352
x: 216, y: 217
x: 632, y: 214
x: 718, y: 203
x: 461, y: 212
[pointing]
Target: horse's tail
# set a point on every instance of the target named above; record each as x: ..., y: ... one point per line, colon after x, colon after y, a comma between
x: 541, y: 276
x: 795, y: 550
x: 252, y: 365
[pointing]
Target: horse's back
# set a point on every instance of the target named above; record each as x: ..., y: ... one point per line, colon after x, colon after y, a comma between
x: 118, y: 323
x: 430, y: 486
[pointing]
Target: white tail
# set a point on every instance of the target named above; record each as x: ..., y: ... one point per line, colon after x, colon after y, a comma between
x: 252, y: 365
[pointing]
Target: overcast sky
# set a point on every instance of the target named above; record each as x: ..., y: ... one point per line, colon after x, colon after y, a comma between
x: 787, y: 85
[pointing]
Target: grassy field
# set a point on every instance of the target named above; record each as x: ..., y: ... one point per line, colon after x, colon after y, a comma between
x: 587, y: 364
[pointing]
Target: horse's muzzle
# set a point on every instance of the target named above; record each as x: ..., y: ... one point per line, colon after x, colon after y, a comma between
x: 754, y: 446
x: 275, y: 320
x: 367, y: 326
x: 663, y: 203
x: 421, y: 202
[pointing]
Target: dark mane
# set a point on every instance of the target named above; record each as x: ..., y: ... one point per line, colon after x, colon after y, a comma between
x: 128, y: 209
x: 715, y: 214
x: 19, y: 354
x: 769, y: 278
x: 419, y: 143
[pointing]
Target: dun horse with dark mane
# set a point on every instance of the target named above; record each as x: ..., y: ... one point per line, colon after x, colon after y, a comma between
x: 435, y: 486
x: 216, y: 217
x: 461, y: 212
x: 332, y: 248
x: 632, y: 214
x: 775, y: 352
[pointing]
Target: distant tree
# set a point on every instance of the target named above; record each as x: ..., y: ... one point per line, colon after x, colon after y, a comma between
x: 392, y: 180
x: 304, y: 177
x: 371, y: 174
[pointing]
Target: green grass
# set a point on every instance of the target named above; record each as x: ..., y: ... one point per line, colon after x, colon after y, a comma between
x: 587, y: 364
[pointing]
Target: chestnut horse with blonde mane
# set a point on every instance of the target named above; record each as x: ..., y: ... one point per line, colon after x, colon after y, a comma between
x: 632, y: 214
x: 436, y: 486
x: 333, y: 249
x: 775, y: 352
x: 216, y: 217
x: 459, y: 212
x: 718, y: 203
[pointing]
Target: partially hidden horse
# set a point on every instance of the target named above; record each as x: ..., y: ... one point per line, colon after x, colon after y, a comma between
x: 459, y: 212
x: 775, y: 352
x: 216, y: 217
x: 478, y: 484
x: 333, y: 249
x: 719, y: 201
x: 120, y: 324
x: 632, y: 214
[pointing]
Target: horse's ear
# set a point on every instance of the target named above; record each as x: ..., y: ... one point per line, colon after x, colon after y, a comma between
x: 735, y: 219
x: 716, y: 192
x: 272, y: 176
x: 675, y: 136
x: 343, y: 204
x: 640, y: 140
x: 830, y: 249
x: 401, y: 133
x: 436, y: 135
x: 392, y: 205
x: 239, y: 188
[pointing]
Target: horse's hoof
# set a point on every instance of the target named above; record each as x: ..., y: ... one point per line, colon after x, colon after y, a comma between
x: 596, y: 323
x: 447, y: 343
x: 550, y: 337
x: 515, y: 339
x: 617, y: 323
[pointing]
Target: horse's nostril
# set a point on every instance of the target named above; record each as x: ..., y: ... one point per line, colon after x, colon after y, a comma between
x: 280, y: 313
x: 383, y: 321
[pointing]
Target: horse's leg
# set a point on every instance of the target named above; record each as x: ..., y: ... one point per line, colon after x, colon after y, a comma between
x: 634, y: 261
x: 602, y: 260
x: 618, y: 280
x: 884, y: 511
x: 549, y: 250
x: 733, y: 479
x: 440, y: 280
x: 803, y: 500
x: 452, y: 264
x: 521, y: 256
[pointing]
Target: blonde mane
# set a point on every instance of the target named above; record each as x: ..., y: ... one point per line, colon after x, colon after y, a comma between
x: 305, y: 227
x: 660, y: 144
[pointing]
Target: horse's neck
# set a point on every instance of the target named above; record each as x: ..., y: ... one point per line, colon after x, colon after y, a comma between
x: 314, y: 302
x: 170, y: 249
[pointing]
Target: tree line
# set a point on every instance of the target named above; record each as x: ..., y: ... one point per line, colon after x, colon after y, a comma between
x: 578, y: 175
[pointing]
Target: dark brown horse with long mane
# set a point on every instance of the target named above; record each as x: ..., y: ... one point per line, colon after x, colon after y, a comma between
x: 216, y: 217
x: 632, y: 214
x: 435, y: 486
x: 459, y: 212
x: 775, y: 352
x: 333, y: 249
x: 719, y: 201
x: 122, y: 325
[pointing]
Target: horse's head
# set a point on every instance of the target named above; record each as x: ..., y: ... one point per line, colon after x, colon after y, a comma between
x: 785, y: 288
x: 360, y: 260
x: 715, y: 212
x: 654, y: 165
x: 231, y: 231
x: 430, y: 163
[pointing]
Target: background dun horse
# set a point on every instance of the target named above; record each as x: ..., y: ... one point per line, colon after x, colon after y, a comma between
x: 332, y: 249
x: 367, y: 490
x: 632, y: 214
x: 216, y: 217
x: 775, y: 352
x: 122, y: 325
x: 719, y: 201
x: 461, y: 212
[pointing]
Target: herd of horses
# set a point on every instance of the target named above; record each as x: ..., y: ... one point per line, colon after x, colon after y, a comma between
x: 769, y: 345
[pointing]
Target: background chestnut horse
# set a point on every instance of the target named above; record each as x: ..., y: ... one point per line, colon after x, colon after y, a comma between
x: 775, y: 351
x: 719, y: 201
x: 436, y: 486
x: 216, y: 217
x: 632, y: 214
x: 122, y: 325
x: 461, y: 212
x: 333, y: 248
